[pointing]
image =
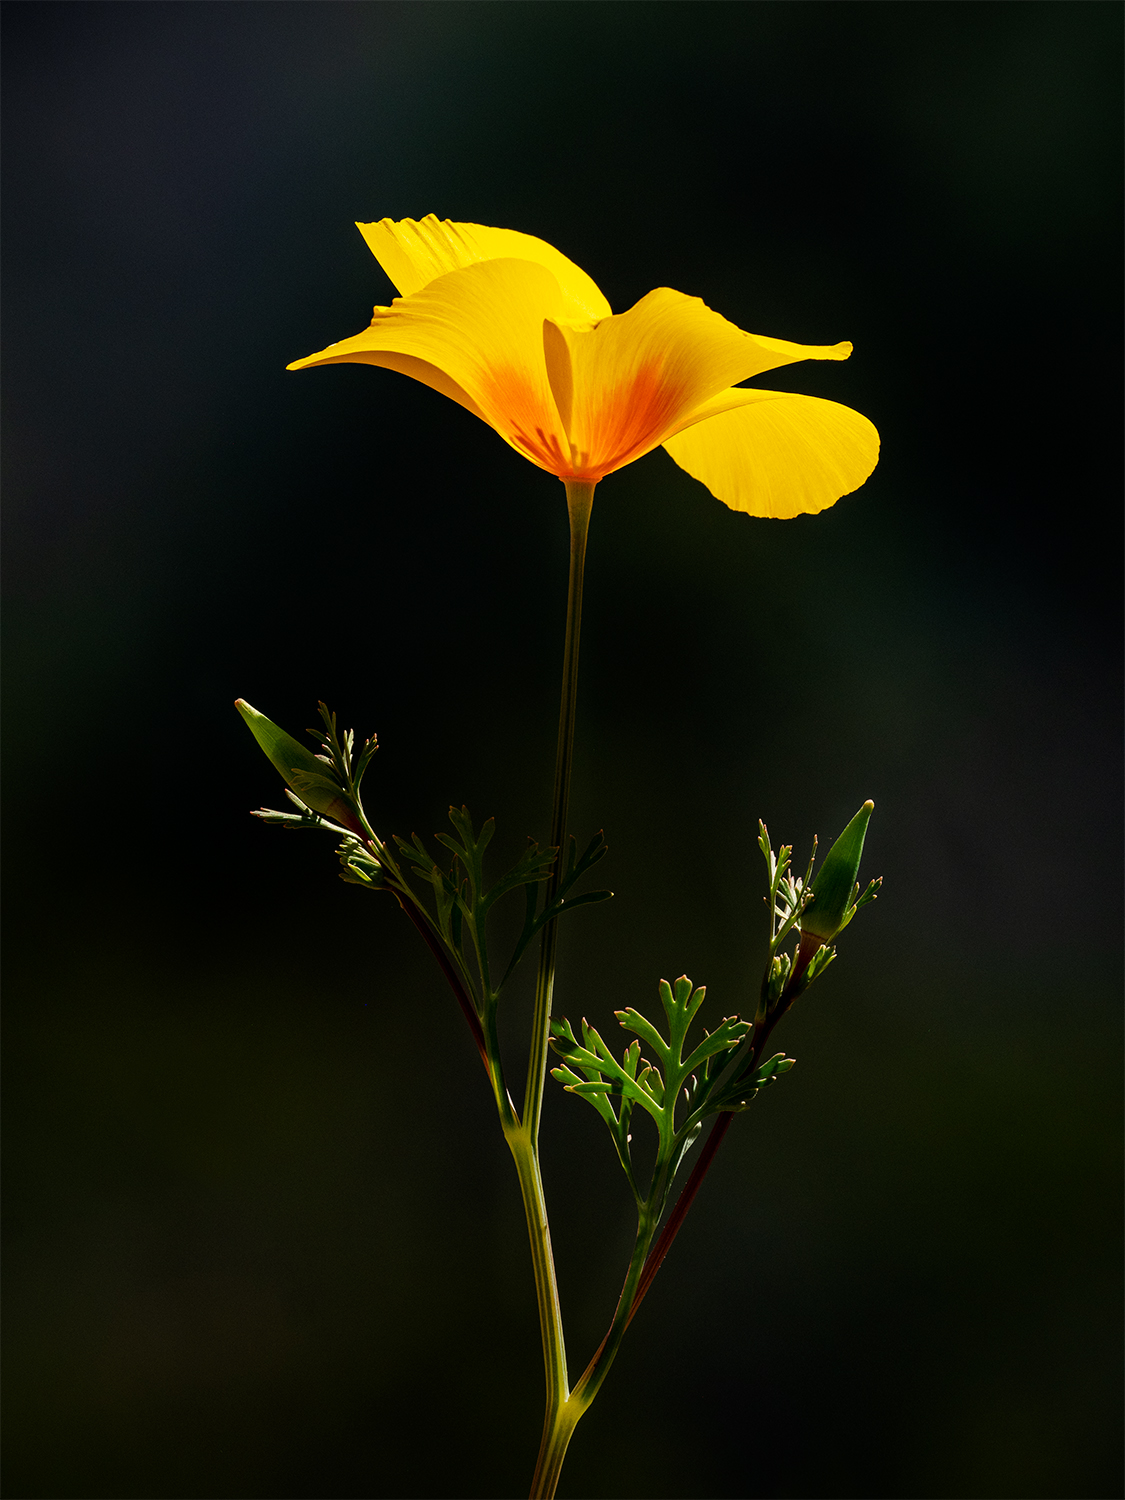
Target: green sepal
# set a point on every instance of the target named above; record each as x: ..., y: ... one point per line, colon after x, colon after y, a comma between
x: 834, y: 888
x: 307, y: 774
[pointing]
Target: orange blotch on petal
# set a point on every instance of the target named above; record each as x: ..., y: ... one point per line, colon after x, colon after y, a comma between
x: 524, y: 412
x: 630, y: 418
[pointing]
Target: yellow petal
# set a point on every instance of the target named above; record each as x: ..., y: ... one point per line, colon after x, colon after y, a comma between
x: 774, y: 454
x: 626, y: 384
x: 414, y: 252
x: 476, y: 335
x: 405, y: 364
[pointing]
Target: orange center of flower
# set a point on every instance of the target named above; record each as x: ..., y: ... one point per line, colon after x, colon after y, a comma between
x: 618, y: 424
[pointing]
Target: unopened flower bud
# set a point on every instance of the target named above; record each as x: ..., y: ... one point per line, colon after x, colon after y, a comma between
x: 834, y: 887
x: 309, y: 777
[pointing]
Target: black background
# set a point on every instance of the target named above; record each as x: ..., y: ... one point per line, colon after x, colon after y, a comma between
x: 264, y: 1235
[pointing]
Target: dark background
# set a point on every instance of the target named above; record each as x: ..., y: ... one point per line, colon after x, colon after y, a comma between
x: 264, y: 1235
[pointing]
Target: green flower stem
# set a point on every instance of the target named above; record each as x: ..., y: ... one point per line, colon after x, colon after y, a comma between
x: 579, y: 501
x: 525, y: 1153
x: 557, y: 1434
x: 563, y: 1419
x: 561, y: 1412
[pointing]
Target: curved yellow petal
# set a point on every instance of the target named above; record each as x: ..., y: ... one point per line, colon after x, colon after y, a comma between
x: 476, y: 335
x: 404, y: 364
x: 770, y: 453
x: 626, y: 384
x: 414, y: 252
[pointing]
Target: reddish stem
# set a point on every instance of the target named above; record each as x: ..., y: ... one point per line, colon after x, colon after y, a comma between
x: 683, y: 1203
x: 676, y: 1218
x: 463, y: 1000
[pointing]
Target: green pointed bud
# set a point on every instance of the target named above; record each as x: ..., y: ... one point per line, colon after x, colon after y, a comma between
x: 309, y: 777
x: 834, y: 888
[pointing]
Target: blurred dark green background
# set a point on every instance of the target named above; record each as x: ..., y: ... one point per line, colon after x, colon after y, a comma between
x: 263, y: 1235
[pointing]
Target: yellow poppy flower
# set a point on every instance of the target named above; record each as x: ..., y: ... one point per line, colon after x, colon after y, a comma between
x: 511, y: 329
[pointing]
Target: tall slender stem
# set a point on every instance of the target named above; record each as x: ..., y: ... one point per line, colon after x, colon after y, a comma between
x: 526, y: 1157
x: 579, y: 501
x: 560, y: 1413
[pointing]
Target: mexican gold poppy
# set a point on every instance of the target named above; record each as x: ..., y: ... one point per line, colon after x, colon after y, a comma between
x: 515, y: 332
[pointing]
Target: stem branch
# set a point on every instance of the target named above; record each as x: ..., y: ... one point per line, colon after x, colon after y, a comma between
x: 598, y: 1368
x: 463, y: 1000
x: 703, y: 1162
x: 679, y: 1213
